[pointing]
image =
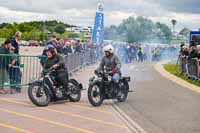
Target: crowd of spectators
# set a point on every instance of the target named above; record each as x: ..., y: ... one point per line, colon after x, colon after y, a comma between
x: 129, y: 52
x: 9, y: 65
x: 190, y: 59
x: 10, y: 73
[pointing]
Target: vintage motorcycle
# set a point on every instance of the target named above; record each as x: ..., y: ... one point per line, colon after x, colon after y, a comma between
x: 102, y: 87
x: 46, y: 89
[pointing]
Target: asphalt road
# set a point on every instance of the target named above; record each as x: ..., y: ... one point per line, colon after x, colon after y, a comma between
x: 18, y: 114
x: 159, y: 105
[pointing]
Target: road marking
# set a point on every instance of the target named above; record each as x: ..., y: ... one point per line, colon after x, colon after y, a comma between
x: 72, y: 115
x: 15, y: 128
x: 89, y: 108
x: 86, y: 118
x: 79, y: 105
x: 132, y: 125
x: 46, y: 120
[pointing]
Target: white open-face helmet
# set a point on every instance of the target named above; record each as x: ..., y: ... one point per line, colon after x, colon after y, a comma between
x: 108, y: 48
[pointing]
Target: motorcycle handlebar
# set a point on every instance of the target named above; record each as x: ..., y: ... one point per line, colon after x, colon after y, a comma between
x: 103, y: 73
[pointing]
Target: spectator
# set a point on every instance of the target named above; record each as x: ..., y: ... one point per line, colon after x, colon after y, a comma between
x: 198, y: 52
x: 140, y: 54
x: 67, y: 49
x: 14, y: 70
x: 78, y: 47
x: 4, y: 49
x: 192, y: 51
x: 15, y: 41
x: 184, y: 53
x: 59, y: 46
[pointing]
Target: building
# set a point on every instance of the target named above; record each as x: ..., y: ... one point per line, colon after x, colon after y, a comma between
x: 87, y: 31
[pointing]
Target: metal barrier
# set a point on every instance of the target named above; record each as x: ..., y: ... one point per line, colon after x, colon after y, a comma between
x: 183, y: 65
x: 193, y: 68
x: 190, y: 66
x: 20, y: 70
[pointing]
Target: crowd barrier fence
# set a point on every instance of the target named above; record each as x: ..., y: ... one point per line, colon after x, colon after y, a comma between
x: 20, y: 70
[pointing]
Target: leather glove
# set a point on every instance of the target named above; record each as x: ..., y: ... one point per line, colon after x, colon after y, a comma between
x: 115, y: 70
x: 96, y: 72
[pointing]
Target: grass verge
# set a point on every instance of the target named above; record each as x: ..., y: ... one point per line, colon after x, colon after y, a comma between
x: 174, y: 69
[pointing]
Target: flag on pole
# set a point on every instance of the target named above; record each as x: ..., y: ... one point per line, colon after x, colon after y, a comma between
x: 98, y: 30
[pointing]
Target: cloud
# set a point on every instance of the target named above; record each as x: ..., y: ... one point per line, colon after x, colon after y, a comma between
x: 82, y: 12
x: 181, y: 6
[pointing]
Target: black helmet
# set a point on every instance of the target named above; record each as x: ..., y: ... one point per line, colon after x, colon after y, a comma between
x: 50, y: 48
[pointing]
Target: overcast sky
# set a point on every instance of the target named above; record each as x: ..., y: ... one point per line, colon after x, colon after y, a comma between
x: 82, y: 12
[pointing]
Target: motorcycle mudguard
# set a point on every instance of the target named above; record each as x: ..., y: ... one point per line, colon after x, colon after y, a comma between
x: 48, y: 90
x: 128, y: 79
x: 35, y: 82
x: 80, y: 86
x: 93, y: 82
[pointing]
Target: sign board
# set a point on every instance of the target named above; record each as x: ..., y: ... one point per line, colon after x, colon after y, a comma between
x: 195, y: 37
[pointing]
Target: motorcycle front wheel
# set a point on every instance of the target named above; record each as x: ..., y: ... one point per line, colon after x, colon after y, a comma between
x: 95, y: 95
x: 38, y: 95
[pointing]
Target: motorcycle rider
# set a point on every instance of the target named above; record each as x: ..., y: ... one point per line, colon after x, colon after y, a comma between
x: 111, y: 63
x: 56, y: 61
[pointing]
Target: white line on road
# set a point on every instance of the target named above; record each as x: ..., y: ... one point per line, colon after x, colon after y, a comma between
x: 132, y: 125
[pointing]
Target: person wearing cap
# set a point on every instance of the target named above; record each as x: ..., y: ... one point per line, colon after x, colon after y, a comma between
x: 4, y: 61
x: 56, y: 61
x: 53, y: 42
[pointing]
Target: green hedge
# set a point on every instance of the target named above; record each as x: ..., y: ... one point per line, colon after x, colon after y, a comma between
x: 2, y: 40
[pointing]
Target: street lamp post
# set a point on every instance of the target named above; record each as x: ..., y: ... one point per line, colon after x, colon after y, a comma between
x: 174, y: 22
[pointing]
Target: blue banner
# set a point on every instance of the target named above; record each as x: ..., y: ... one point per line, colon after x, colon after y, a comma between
x: 98, y: 30
x: 195, y: 37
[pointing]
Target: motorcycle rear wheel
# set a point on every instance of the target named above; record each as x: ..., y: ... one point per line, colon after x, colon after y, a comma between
x: 124, y: 93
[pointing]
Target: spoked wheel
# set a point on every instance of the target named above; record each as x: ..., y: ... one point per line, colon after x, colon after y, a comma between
x: 95, y: 95
x: 38, y: 95
x: 123, y: 94
x: 75, y: 96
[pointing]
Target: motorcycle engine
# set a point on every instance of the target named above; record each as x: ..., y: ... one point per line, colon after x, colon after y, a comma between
x: 59, y: 93
x: 109, y: 78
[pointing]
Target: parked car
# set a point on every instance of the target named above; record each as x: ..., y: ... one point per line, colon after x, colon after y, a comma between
x: 33, y: 43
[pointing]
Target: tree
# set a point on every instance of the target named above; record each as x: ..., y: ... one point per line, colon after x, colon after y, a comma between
x: 139, y: 29
x: 60, y: 29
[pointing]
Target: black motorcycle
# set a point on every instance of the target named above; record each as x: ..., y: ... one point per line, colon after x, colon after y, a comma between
x: 46, y: 89
x: 103, y: 87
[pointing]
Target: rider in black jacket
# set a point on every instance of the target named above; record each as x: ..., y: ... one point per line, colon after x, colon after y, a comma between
x: 56, y: 62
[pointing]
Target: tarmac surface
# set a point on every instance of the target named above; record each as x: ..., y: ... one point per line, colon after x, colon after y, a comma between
x: 18, y: 114
x: 157, y: 105
x: 160, y: 105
